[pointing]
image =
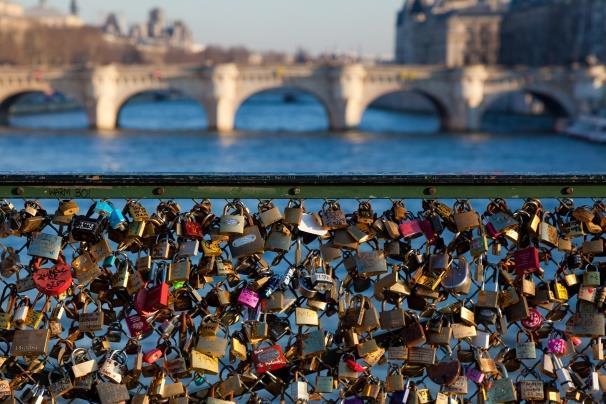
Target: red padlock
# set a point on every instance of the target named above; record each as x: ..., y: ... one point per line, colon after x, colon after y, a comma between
x: 55, y: 280
x: 428, y: 231
x: 269, y: 359
x: 526, y: 260
x: 141, y: 301
x: 192, y: 229
x: 157, y: 296
x: 153, y: 355
x: 410, y: 228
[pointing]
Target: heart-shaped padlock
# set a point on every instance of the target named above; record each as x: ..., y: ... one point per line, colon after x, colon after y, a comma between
x: 55, y: 280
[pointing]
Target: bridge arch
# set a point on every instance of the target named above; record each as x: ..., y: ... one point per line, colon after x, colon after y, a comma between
x: 557, y: 102
x: 191, y: 115
x: 319, y: 96
x: 439, y: 103
x: 10, y: 99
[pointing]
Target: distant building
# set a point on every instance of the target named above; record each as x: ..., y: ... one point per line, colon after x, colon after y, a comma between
x: 73, y: 8
x: 554, y: 32
x: 8, y: 9
x: 46, y: 15
x: 155, y: 24
x: 114, y: 25
x: 156, y: 33
x: 449, y: 32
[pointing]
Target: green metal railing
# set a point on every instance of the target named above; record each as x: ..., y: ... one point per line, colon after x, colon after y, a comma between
x: 269, y: 186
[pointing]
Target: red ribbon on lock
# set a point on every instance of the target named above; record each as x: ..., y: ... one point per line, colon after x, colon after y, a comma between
x: 355, y: 366
x: 55, y: 280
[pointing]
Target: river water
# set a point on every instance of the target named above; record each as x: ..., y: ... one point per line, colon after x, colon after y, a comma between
x: 274, y: 136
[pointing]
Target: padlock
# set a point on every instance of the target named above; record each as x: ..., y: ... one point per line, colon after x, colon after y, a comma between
x: 526, y: 260
x: 179, y: 270
x: 52, y: 281
x: 597, y: 348
x: 298, y: 389
x: 562, y: 374
x: 191, y: 229
x: 82, y: 364
x: 91, y: 321
x: 503, y: 389
x: 525, y: 350
x: 465, y: 217
x: 211, y: 343
x: 46, y: 246
x: 332, y: 216
x: 591, y: 276
x: 410, y: 228
x: 9, y: 261
x: 114, y: 366
x: 155, y: 354
x: 22, y: 308
x: 232, y: 223
x: 188, y: 248
x: 279, y: 239
x: 163, y: 248
x: 248, y: 297
x: 548, y: 232
x: 156, y: 297
x: 395, y: 380
x: 268, y: 213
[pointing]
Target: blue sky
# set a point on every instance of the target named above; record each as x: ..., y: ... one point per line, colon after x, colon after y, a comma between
x: 318, y: 25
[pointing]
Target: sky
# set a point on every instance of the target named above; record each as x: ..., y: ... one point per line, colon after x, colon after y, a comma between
x: 363, y: 26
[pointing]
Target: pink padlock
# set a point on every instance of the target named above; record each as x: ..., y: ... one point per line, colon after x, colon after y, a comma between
x: 533, y: 321
x: 557, y: 346
x: 248, y: 298
x: 475, y: 375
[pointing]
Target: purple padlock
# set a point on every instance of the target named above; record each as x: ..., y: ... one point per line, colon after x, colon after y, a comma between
x: 248, y: 298
x: 475, y: 375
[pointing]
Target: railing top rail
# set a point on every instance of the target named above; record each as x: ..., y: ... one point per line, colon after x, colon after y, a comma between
x: 228, y: 185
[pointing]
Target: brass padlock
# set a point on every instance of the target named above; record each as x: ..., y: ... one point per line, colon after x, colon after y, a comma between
x: 268, y: 213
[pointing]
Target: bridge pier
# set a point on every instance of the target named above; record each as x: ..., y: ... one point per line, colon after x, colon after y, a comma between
x: 345, y: 115
x: 461, y: 122
x: 103, y: 115
x: 221, y: 114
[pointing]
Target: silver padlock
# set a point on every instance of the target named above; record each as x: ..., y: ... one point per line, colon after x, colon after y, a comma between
x: 299, y: 391
x: 38, y: 395
x: 20, y: 315
x: 114, y: 366
x: 481, y: 340
x: 562, y: 374
x: 594, y: 380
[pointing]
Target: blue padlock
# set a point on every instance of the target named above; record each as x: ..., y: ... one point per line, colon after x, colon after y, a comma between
x: 116, y: 219
x: 104, y: 207
x: 109, y: 261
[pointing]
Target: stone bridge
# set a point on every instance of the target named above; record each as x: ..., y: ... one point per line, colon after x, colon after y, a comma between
x: 460, y: 96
